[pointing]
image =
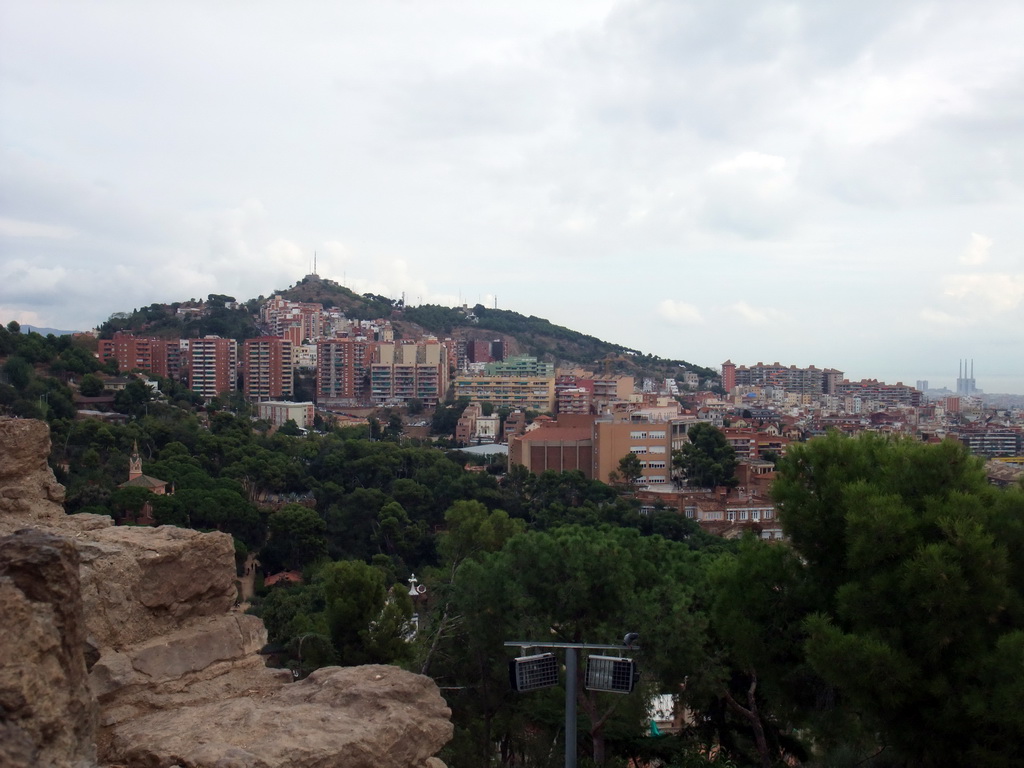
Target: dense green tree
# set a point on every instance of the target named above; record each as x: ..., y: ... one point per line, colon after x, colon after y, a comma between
x: 707, y: 460
x: 630, y: 470
x: 919, y: 568
x: 759, y: 598
x: 290, y: 428
x: 91, y: 385
x: 296, y: 538
x: 367, y: 621
x: 577, y: 584
x: 18, y: 371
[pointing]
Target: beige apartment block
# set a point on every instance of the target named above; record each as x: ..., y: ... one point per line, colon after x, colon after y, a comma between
x: 405, y: 371
x: 534, y: 393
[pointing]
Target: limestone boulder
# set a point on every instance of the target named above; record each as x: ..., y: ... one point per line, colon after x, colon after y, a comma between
x: 47, y: 714
x: 28, y: 490
x: 351, y: 717
x: 138, y: 583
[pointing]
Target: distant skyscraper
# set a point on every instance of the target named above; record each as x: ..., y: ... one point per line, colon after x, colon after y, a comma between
x: 922, y: 384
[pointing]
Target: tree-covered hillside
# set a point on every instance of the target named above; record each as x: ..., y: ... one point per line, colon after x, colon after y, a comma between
x: 188, y: 319
x: 523, y: 334
x: 547, y: 341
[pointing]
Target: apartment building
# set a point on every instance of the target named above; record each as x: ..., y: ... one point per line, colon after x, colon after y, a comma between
x: 342, y: 371
x: 809, y: 381
x: 402, y: 372
x: 534, y: 393
x: 305, y: 319
x: 278, y: 412
x: 520, y: 365
x: 268, y: 369
x: 880, y: 393
x: 162, y: 357
x: 650, y: 441
x: 212, y: 365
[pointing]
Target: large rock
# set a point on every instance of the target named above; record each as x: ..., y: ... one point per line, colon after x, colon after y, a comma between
x: 47, y: 715
x: 28, y: 490
x: 355, y: 717
x: 138, y: 583
x: 175, y: 673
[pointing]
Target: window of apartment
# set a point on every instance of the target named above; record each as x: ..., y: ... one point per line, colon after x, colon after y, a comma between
x: 655, y: 479
x: 646, y: 509
x: 768, y: 514
x: 654, y: 464
x: 744, y: 515
x: 731, y: 516
x: 690, y: 512
x: 656, y: 435
x: 637, y: 435
x: 656, y: 449
x: 639, y: 450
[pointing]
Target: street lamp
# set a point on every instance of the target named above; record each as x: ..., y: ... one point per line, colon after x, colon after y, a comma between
x: 607, y: 673
x: 416, y: 591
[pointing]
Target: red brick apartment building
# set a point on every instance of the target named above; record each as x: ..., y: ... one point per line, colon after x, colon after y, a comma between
x: 268, y: 369
x: 162, y: 357
x: 212, y: 366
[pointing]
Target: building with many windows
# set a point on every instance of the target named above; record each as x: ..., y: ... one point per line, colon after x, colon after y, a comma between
x: 807, y: 381
x: 268, y: 370
x: 212, y: 366
x: 402, y: 372
x: 277, y: 413
x: 162, y: 357
x: 342, y: 371
x: 533, y: 393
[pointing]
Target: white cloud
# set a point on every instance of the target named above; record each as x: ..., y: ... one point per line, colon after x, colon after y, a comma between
x: 986, y: 293
x: 18, y: 228
x: 751, y: 161
x: 977, y: 251
x: 679, y: 313
x: 759, y: 315
x: 938, y: 317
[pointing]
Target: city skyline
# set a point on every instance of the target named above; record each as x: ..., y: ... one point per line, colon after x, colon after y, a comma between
x: 835, y: 185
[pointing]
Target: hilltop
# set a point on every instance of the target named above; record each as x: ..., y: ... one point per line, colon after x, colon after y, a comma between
x: 224, y: 316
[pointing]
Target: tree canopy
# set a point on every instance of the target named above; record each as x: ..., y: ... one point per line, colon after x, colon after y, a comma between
x: 707, y: 460
x: 920, y: 568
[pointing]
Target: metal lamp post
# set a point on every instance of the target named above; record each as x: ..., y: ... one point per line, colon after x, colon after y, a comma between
x: 614, y: 674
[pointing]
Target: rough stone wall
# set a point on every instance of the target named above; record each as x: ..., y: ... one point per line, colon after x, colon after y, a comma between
x: 175, y: 678
x: 47, y: 714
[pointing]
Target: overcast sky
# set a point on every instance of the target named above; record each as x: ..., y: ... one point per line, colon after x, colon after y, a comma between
x: 833, y: 183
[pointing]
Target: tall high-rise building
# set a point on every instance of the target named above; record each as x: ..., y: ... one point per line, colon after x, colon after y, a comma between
x: 728, y: 375
x: 402, y: 372
x: 268, y: 370
x: 342, y: 366
x: 212, y: 366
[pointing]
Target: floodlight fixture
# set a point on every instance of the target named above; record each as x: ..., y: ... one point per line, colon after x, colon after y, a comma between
x: 610, y: 673
x: 529, y: 673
